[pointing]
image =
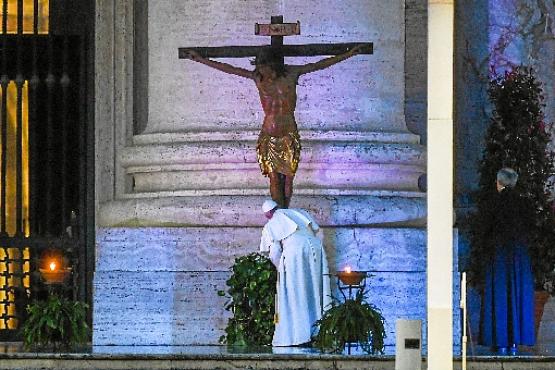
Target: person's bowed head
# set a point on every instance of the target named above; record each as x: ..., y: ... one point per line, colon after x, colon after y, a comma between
x: 269, y: 207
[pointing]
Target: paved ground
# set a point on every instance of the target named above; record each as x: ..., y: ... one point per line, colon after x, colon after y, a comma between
x: 472, y: 351
x: 13, y: 356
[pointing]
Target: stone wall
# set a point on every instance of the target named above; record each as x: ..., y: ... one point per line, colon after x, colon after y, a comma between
x: 175, y: 274
x: 498, y: 35
x: 361, y: 94
x: 471, y: 109
x: 159, y: 286
x: 416, y: 67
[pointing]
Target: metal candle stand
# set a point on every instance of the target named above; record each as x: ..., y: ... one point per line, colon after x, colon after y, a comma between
x: 350, y: 290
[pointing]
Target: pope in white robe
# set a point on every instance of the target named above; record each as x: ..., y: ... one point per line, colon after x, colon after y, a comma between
x: 303, y: 286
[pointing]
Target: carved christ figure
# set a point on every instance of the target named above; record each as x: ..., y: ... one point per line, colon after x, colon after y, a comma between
x: 278, y: 148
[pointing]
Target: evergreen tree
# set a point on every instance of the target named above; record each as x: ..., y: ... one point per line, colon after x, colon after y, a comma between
x: 517, y: 138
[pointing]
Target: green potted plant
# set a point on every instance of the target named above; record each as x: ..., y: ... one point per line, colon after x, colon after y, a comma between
x: 55, y: 321
x: 252, y: 287
x: 352, y: 321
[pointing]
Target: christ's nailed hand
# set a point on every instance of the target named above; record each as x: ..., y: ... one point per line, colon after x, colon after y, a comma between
x: 193, y: 55
x: 358, y: 49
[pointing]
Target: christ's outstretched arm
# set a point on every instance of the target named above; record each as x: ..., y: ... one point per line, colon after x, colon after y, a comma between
x: 224, y: 67
x: 328, y: 62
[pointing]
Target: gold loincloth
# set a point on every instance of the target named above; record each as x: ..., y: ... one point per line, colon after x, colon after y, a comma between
x: 279, y: 154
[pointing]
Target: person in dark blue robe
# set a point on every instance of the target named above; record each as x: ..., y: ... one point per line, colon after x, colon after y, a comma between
x: 508, y: 299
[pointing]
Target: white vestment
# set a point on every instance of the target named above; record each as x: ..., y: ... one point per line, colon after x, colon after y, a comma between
x: 303, y: 287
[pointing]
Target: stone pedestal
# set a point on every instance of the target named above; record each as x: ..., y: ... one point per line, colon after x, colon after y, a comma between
x: 166, y: 247
x: 546, y: 333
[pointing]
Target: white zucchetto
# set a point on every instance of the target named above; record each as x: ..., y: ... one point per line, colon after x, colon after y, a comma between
x: 268, y: 205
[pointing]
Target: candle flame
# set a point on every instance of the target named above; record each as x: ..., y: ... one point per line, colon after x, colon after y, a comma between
x: 52, y: 266
x: 348, y: 269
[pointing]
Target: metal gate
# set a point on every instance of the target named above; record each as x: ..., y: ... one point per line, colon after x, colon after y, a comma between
x: 43, y: 155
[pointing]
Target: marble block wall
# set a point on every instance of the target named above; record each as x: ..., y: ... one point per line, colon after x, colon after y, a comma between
x: 158, y: 286
x: 179, y: 198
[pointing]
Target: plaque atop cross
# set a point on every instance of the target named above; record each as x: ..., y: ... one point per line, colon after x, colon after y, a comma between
x: 277, y: 30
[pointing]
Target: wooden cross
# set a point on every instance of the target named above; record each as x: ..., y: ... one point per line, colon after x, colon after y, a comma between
x: 276, y: 29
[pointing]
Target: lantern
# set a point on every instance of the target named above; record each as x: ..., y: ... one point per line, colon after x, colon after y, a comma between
x: 54, y: 267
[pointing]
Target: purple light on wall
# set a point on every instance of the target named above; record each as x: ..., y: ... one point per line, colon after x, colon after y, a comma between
x: 506, y: 40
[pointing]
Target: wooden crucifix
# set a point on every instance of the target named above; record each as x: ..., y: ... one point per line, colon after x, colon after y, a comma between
x: 278, y: 148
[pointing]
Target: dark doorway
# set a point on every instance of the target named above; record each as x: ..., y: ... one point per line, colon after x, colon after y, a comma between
x: 46, y: 149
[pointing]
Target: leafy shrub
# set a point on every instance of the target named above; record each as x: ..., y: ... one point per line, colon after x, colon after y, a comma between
x: 56, y: 321
x: 252, y: 288
x: 352, y: 321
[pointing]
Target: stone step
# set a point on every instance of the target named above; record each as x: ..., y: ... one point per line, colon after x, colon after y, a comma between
x: 227, y: 161
x: 195, y: 362
x: 384, y: 209
x: 223, y: 178
x: 165, y: 358
x: 190, y: 153
x: 246, y: 135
